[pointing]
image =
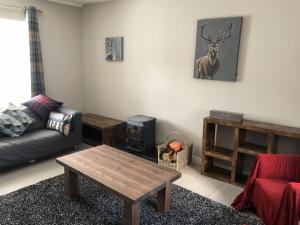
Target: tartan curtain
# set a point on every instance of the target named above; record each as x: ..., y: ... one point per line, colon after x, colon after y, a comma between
x: 36, y: 60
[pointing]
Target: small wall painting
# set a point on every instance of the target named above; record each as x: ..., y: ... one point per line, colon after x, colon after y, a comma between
x: 217, y: 48
x: 114, y: 49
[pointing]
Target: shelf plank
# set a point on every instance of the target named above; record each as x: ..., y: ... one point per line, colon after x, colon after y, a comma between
x: 90, y: 141
x: 276, y: 129
x: 220, y: 153
x: 270, y: 144
x: 251, y: 149
x: 218, y: 173
x: 235, y: 154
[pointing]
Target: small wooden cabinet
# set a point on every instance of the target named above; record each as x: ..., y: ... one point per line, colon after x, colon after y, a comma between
x: 233, y: 157
x: 97, y: 130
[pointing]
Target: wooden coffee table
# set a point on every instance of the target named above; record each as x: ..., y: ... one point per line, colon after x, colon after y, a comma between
x: 131, y: 177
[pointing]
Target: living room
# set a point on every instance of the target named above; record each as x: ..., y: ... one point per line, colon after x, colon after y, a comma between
x: 158, y: 76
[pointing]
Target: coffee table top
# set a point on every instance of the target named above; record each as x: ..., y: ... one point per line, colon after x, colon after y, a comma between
x: 127, y: 175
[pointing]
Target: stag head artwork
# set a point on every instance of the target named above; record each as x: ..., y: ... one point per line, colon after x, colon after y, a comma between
x: 208, y: 65
x: 114, y: 48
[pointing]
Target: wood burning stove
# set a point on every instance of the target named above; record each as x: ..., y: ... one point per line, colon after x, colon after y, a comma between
x: 141, y: 134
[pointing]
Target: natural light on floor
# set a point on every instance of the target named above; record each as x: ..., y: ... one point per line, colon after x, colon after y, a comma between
x: 14, y: 61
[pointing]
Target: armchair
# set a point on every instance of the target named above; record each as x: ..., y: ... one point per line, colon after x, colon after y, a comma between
x: 273, y: 189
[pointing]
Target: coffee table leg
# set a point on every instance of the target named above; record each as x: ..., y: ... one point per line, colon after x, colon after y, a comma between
x: 71, y: 185
x: 164, y: 199
x: 131, y: 213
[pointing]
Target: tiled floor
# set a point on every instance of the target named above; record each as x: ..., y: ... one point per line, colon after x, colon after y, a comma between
x: 211, y: 188
x: 191, y: 179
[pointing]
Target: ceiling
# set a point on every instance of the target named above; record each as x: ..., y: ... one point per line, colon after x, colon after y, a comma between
x: 78, y: 3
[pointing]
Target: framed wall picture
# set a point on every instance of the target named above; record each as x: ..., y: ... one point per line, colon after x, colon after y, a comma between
x: 217, y: 48
x: 114, y: 49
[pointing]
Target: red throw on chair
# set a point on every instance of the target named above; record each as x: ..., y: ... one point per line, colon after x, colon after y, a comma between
x: 273, y: 189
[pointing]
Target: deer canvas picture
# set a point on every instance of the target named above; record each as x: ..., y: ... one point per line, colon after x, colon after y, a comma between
x: 114, y: 48
x: 217, y: 48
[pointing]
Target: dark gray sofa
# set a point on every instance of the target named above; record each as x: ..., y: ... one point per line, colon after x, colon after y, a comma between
x: 39, y: 143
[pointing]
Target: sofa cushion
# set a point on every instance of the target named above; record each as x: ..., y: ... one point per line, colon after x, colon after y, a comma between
x: 42, y: 106
x: 37, y: 122
x: 32, y: 145
x: 13, y: 122
x: 60, y: 122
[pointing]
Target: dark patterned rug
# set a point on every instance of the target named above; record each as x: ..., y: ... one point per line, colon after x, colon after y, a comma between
x: 45, y: 203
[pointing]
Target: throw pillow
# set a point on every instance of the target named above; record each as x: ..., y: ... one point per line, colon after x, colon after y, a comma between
x: 13, y: 122
x: 60, y: 122
x: 42, y: 106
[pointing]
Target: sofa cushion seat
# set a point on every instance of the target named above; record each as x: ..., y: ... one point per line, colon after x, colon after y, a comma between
x: 32, y: 145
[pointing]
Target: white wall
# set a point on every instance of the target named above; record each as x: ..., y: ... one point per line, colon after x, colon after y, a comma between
x: 61, y: 39
x: 155, y: 77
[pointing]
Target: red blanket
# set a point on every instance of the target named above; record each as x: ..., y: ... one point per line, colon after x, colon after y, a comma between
x: 273, y: 188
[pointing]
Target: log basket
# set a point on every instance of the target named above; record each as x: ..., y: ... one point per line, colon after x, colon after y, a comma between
x: 182, y: 156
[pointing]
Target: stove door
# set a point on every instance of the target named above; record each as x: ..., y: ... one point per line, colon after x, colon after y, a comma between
x: 134, y: 132
x: 135, y: 138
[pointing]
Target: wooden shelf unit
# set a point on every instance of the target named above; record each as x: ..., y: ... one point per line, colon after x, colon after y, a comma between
x: 241, y: 147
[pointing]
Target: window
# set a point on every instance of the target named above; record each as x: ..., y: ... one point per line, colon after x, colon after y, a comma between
x: 15, y: 81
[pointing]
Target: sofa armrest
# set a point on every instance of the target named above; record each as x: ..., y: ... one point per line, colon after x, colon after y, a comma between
x: 76, y: 124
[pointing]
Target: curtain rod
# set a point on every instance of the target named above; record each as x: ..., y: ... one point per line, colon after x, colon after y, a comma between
x: 16, y: 7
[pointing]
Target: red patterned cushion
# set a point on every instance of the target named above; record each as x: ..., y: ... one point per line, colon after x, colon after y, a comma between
x: 42, y: 106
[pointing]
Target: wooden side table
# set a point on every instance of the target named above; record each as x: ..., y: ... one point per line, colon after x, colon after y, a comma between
x: 99, y: 130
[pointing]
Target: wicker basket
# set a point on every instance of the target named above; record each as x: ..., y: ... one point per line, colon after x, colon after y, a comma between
x: 182, y: 156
